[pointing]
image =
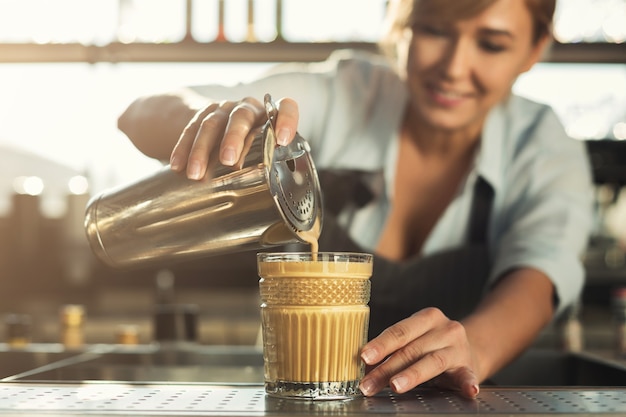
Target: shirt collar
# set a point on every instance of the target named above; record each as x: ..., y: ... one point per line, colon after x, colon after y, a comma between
x: 489, y: 159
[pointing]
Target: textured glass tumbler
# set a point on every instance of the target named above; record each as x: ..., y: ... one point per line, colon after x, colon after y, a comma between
x: 314, y: 316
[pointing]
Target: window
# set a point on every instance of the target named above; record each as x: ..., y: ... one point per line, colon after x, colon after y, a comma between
x: 99, y: 22
x: 65, y: 66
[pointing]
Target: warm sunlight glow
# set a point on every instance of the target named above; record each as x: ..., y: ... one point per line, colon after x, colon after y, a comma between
x: 67, y: 112
x: 28, y: 185
x: 78, y: 185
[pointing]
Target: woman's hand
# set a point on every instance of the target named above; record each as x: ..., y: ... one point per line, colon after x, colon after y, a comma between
x: 228, y: 124
x: 424, y: 347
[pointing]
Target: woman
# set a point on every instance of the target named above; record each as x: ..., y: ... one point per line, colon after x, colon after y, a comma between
x: 477, y: 205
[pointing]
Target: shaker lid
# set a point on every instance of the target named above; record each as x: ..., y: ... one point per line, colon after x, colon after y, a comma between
x: 293, y: 178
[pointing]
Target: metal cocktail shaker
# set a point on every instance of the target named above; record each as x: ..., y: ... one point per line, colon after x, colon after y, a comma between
x: 274, y: 199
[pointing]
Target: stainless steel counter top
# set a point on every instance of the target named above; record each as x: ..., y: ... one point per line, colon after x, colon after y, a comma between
x: 197, y: 380
x: 164, y: 399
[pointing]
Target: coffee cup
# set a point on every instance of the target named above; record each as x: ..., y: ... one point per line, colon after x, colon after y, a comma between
x: 314, y: 317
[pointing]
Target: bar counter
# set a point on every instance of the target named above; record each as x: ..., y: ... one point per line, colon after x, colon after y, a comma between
x: 160, y: 399
x: 197, y: 380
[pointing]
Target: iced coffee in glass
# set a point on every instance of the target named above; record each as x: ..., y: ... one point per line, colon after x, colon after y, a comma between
x: 314, y: 317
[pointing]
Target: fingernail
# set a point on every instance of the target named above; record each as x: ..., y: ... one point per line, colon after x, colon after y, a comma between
x: 368, y: 356
x: 283, y: 136
x: 194, y: 171
x: 175, y: 163
x: 228, y: 156
x: 475, y: 389
x: 399, y: 383
x: 367, y: 387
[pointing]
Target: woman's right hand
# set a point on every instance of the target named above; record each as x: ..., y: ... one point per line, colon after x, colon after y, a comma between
x: 225, y: 126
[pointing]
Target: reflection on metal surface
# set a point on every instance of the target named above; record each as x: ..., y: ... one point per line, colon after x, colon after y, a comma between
x: 176, y: 363
x: 251, y: 400
x: 14, y: 361
x: 218, y: 380
x: 193, y: 363
x: 546, y: 367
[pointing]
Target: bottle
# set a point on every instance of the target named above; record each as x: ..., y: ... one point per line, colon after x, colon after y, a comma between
x: 127, y: 334
x: 18, y: 330
x: 72, y: 319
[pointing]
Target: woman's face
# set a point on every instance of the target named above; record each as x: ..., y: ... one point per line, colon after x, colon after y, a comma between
x: 457, y: 71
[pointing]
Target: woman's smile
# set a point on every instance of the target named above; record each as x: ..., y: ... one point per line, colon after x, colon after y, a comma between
x: 445, y: 97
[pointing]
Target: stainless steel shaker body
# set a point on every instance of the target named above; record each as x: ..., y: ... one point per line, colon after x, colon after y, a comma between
x: 273, y: 199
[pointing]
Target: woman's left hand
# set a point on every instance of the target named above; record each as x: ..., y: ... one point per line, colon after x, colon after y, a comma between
x: 424, y: 347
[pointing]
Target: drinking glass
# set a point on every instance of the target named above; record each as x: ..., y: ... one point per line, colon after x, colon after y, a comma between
x: 314, y: 317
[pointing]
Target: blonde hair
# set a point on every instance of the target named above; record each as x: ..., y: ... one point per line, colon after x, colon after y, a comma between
x: 402, y: 16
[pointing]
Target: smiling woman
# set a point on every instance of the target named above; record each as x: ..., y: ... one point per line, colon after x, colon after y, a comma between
x: 478, y: 205
x: 445, y: 125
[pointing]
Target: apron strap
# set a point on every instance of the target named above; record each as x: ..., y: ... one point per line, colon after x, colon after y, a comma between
x: 453, y: 280
x: 480, y: 212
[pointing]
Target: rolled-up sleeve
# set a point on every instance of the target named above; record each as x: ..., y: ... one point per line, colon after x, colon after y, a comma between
x: 547, y: 208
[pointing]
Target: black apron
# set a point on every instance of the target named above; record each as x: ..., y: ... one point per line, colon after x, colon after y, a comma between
x: 453, y: 280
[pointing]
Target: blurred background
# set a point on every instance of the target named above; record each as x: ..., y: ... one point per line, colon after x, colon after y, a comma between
x: 68, y: 68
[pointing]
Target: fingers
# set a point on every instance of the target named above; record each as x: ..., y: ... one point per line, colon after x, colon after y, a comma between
x: 180, y: 153
x: 228, y: 126
x: 243, y: 118
x: 287, y: 120
x: 207, y: 136
x: 400, y: 334
x: 462, y: 379
x: 199, y: 138
x: 417, y: 350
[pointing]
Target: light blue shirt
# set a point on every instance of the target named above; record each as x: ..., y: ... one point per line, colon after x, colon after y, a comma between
x: 351, y: 107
